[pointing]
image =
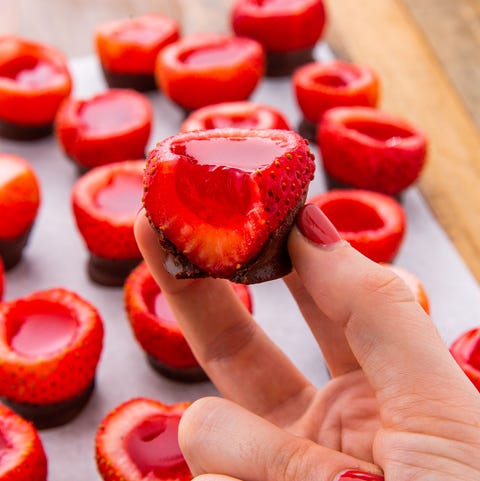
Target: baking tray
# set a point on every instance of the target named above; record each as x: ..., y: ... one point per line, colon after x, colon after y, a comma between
x: 56, y: 256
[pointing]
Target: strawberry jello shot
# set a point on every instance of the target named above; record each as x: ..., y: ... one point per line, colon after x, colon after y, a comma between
x: 127, y: 49
x: 466, y: 351
x: 111, y: 126
x: 50, y: 344
x: 156, y: 329
x: 20, y: 199
x: 105, y: 202
x: 288, y: 30
x: 34, y: 80
x: 204, y: 69
x: 138, y: 440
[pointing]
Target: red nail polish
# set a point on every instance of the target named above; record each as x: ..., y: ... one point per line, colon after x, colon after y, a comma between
x: 316, y: 226
x: 359, y: 476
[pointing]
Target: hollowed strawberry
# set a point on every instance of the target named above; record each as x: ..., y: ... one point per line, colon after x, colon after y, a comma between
x: 22, y: 456
x: 156, y: 329
x: 34, y: 79
x: 19, y: 203
x: 288, y: 30
x: 50, y: 344
x: 127, y: 49
x: 246, y: 115
x: 138, y: 440
x: 223, y: 201
x: 105, y: 202
x: 466, y: 351
x: 205, y: 69
x: 372, y: 222
x: 369, y: 149
x: 109, y: 127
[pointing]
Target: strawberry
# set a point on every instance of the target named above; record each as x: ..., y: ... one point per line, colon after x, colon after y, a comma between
x: 19, y: 203
x: 127, y: 49
x: 138, y: 440
x: 50, y: 344
x: 235, y: 114
x: 156, y: 329
x: 204, y: 69
x: 369, y: 149
x: 372, y: 222
x: 223, y: 200
x: 466, y: 351
x: 105, y: 202
x: 22, y: 456
x: 109, y: 127
x: 34, y: 80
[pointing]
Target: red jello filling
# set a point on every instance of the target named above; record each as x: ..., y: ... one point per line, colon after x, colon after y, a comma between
x: 30, y: 72
x: 213, y: 55
x: 121, y: 196
x: 381, y: 132
x: 153, y: 445
x: 332, y: 80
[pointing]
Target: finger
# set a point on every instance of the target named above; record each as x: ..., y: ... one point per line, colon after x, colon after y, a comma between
x: 241, y: 360
x: 328, y: 334
x: 218, y: 436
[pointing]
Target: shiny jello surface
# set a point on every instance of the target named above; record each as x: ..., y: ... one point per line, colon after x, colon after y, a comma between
x: 138, y: 34
x: 29, y: 72
x: 121, y: 196
x: 153, y: 445
x: 4, y: 446
x: 226, y: 53
x: 160, y: 308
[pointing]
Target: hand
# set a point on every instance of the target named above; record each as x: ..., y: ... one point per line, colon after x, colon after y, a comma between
x: 397, y: 405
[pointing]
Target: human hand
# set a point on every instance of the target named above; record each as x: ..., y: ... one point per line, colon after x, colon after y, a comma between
x: 398, y: 405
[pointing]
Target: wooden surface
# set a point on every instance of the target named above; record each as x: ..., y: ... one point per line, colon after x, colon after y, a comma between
x: 427, y: 53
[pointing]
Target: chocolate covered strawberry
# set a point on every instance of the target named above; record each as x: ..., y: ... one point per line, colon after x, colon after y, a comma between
x: 466, y: 351
x: 369, y: 149
x: 50, y: 344
x: 372, y: 222
x: 138, y: 441
x: 156, y: 329
x: 223, y: 200
x: 22, y: 456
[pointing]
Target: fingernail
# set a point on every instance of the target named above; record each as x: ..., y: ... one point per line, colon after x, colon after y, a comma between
x: 359, y: 476
x: 316, y: 226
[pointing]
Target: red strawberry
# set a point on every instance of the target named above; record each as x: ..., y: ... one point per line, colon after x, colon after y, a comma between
x: 235, y: 114
x: 109, y: 127
x: 50, y: 344
x: 19, y: 203
x: 22, y: 457
x: 205, y: 69
x: 372, y: 222
x: 466, y: 351
x: 223, y: 200
x: 138, y: 440
x: 369, y: 149
x: 105, y: 203
x: 156, y: 329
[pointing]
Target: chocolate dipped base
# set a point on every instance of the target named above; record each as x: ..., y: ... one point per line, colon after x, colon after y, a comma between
x: 9, y: 130
x: 139, y: 82
x: 281, y: 64
x: 46, y: 416
x: 11, y: 250
x: 308, y: 130
x: 110, y: 272
x: 182, y: 374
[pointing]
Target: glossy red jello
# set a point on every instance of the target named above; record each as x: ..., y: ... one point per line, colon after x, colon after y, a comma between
x: 245, y: 115
x: 127, y: 49
x: 466, y: 351
x: 205, y: 69
x: 223, y: 200
x: 19, y: 204
x: 288, y: 29
x: 138, y: 440
x: 109, y: 127
x: 105, y: 202
x: 50, y: 344
x: 34, y: 80
x: 373, y: 223
x: 156, y: 329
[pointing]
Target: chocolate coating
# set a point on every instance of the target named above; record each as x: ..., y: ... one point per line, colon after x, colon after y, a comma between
x: 139, y: 82
x: 9, y: 130
x: 110, y: 272
x: 308, y: 130
x: 281, y: 64
x: 11, y: 250
x: 182, y: 374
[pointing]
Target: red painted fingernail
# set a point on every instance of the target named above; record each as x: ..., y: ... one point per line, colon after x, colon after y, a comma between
x: 316, y: 226
x: 359, y: 476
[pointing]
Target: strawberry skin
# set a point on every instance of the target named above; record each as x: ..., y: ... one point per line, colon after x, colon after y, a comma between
x: 21, y: 450
x: 369, y: 149
x: 219, y: 198
x: 466, y: 351
x: 53, y: 376
x: 373, y: 223
x: 131, y: 441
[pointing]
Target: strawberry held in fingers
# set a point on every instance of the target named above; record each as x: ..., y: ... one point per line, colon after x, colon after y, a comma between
x: 22, y: 456
x: 50, y: 344
x: 466, y: 351
x: 223, y: 201
x: 369, y: 149
x: 138, y: 441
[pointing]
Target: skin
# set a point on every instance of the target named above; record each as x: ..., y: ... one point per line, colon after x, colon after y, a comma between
x: 397, y: 402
